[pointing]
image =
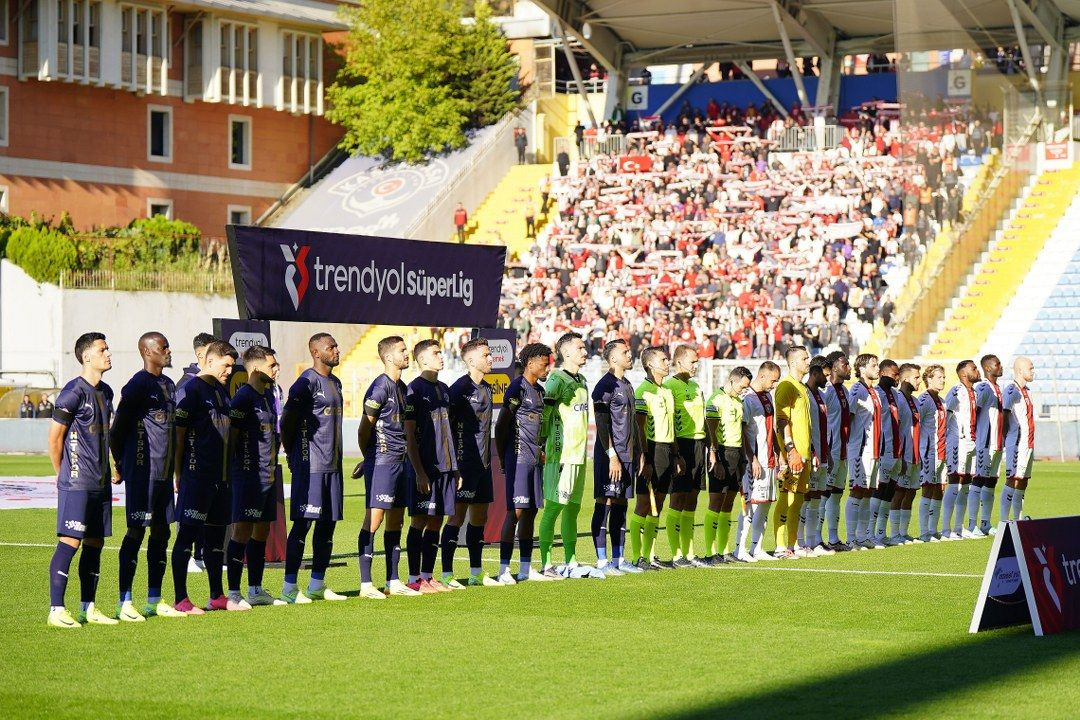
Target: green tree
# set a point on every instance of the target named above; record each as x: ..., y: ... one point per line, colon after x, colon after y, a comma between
x: 42, y: 252
x: 415, y: 78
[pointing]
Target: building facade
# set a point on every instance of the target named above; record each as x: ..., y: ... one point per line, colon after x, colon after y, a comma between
x: 200, y: 110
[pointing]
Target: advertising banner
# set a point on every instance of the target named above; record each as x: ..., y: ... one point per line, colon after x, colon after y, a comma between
x: 1032, y: 576
x: 300, y: 275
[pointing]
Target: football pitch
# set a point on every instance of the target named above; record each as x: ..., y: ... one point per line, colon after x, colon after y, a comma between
x: 859, y: 635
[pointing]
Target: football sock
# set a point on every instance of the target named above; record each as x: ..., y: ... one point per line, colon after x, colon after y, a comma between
x: 794, y: 512
x: 757, y: 526
x: 832, y: 516
x: 256, y: 562
x: 617, y: 531
x: 506, y: 553
x: 635, y: 526
x: 672, y: 520
x: 948, y: 503
x: 448, y: 541
x: 59, y: 567
x: 129, y: 560
x: 986, y: 506
x: 712, y: 524
x: 157, y: 561
x: 430, y: 552
x: 89, y: 571
x: 414, y: 548
x: 723, y: 531
x: 780, y: 517
x: 1005, y: 503
x: 552, y: 510
x: 812, y: 524
x: 934, y: 516
x: 365, y: 544
x: 234, y: 558
x: 568, y: 531
x: 322, y: 545
x: 294, y: 548
x: 974, y: 496
x: 474, y: 541
x: 599, y: 532
x: 875, y: 510
x: 392, y: 544
x: 961, y: 505
x: 214, y: 557
x: 181, y: 553
x: 649, y: 532
x: 852, y: 513
x: 686, y: 534
x: 924, y: 515
x: 1018, y: 503
x: 864, y: 519
x: 800, y: 534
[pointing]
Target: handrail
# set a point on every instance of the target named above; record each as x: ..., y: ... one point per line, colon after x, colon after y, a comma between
x: 904, y: 315
x: 500, y: 133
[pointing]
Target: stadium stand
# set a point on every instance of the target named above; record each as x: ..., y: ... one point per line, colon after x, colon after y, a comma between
x: 1004, y: 266
x: 755, y: 248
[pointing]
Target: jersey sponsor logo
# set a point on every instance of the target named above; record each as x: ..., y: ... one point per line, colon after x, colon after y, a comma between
x: 75, y: 525
x: 466, y: 494
x: 425, y: 505
x: 194, y: 514
x: 254, y: 513
x: 141, y: 515
x: 383, y: 497
x: 296, y: 259
x: 311, y: 509
x: 522, y: 499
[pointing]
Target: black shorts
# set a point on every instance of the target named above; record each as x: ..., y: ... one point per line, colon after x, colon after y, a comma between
x: 730, y: 466
x: 662, y: 458
x: 602, y: 485
x: 476, y: 486
x: 692, y: 478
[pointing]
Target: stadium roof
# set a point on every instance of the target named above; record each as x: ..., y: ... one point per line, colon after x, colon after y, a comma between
x: 633, y: 33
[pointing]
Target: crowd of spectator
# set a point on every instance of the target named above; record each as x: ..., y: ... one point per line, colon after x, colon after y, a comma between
x: 701, y: 232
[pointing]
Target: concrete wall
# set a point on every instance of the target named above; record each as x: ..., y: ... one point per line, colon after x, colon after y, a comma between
x: 39, y: 324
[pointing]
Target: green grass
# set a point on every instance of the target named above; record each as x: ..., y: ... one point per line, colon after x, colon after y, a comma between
x: 751, y: 641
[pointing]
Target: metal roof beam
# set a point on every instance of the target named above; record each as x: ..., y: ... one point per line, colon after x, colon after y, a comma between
x: 1046, y: 20
x: 602, y: 42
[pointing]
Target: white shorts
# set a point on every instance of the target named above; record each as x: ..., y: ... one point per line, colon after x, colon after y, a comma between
x: 910, y: 479
x: 863, y: 472
x: 889, y: 468
x: 932, y: 472
x: 762, y: 490
x: 819, y: 479
x: 988, y: 463
x: 961, y: 458
x: 838, y: 477
x: 1018, y: 462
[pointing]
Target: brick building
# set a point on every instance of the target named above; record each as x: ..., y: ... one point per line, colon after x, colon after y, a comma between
x: 202, y: 110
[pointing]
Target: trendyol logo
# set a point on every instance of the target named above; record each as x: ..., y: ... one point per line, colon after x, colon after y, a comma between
x: 369, y: 279
x: 296, y: 257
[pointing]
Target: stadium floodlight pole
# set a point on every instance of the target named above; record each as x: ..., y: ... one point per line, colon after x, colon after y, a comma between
x: 786, y: 40
x: 1025, y: 51
x: 575, y: 70
x: 746, y: 70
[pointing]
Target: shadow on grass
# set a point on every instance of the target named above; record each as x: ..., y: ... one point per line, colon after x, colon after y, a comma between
x: 901, y: 685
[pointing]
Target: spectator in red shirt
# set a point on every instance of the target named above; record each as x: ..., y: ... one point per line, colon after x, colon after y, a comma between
x: 461, y: 219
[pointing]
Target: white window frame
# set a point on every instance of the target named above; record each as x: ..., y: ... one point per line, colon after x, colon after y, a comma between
x: 145, y: 31
x: 304, y: 93
x: 5, y: 115
x: 237, y: 208
x: 168, y: 156
x: 4, y: 201
x: 249, y: 142
x: 245, y: 94
x: 5, y: 27
x: 167, y: 202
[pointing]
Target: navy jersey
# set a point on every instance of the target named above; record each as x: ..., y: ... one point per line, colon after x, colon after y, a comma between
x: 427, y: 404
x: 190, y: 372
x: 384, y: 403
x: 316, y: 403
x: 143, y: 427
x: 86, y: 410
x: 614, y: 397
x: 254, y: 417
x: 470, y: 420
x: 204, y: 411
x: 526, y: 402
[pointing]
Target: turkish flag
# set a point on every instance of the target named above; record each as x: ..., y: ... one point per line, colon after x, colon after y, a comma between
x: 635, y: 163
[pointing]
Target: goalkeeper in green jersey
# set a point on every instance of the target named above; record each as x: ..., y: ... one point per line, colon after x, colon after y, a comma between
x: 566, y: 421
